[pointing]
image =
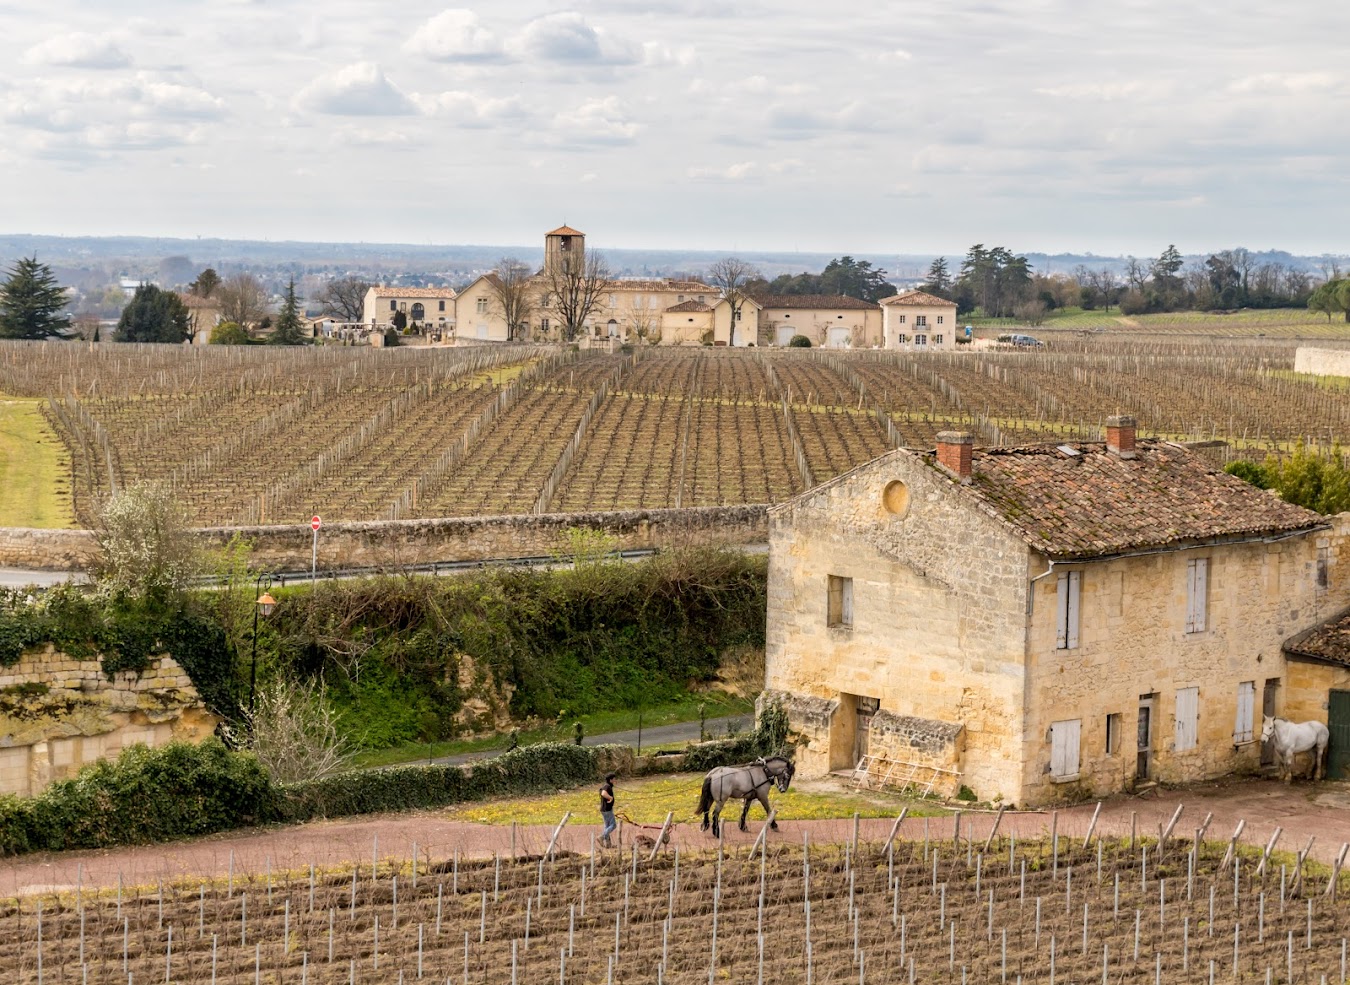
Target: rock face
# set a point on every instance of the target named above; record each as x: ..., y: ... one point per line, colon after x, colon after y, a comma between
x: 59, y: 713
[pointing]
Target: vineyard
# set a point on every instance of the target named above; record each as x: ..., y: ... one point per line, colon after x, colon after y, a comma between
x: 246, y: 435
x: 954, y: 907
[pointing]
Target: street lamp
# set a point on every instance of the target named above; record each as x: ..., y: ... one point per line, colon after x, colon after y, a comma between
x: 264, y: 607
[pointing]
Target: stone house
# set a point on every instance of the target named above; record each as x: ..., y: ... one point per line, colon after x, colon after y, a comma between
x: 434, y: 306
x: 1042, y: 623
x: 918, y: 320
x: 203, y: 315
x: 830, y: 321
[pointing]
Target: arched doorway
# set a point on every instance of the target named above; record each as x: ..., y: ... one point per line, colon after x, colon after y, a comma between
x: 419, y: 312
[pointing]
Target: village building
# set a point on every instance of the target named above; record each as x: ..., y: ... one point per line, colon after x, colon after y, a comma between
x: 203, y: 315
x: 421, y: 306
x: 830, y: 321
x: 1043, y: 623
x: 918, y: 320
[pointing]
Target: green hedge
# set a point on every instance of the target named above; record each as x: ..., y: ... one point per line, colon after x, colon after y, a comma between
x: 145, y: 795
x: 530, y: 769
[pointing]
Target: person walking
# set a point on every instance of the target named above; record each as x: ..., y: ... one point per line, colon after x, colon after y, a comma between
x: 607, y: 809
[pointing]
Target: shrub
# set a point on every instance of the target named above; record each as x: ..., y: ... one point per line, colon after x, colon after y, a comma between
x: 229, y: 333
x: 145, y: 795
x: 799, y: 342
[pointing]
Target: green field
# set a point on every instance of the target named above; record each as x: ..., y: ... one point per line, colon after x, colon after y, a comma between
x: 34, y: 469
x: 1249, y: 323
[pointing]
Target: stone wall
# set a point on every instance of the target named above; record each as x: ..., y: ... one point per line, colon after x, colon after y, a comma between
x: 1322, y: 362
x: 391, y: 543
x: 58, y: 714
x: 924, y: 742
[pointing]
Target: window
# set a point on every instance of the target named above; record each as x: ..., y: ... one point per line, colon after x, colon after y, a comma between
x: 1188, y: 714
x: 902, y: 338
x: 921, y: 340
x: 901, y: 320
x: 543, y: 324
x: 482, y: 306
x: 1197, y: 591
x: 393, y: 304
x: 1064, y: 749
x: 680, y: 300
x: 840, y: 602
x: 920, y: 321
x: 442, y: 305
x: 738, y: 314
x: 1066, y: 617
x: 939, y: 319
x: 1322, y: 580
x: 700, y: 298
x: 418, y: 312
x: 1246, y: 709
x: 1113, y: 727
x: 937, y: 339
x: 611, y: 300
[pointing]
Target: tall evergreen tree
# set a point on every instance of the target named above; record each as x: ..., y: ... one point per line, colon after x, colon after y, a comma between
x: 206, y: 283
x: 939, y: 279
x: 153, y: 315
x: 32, y: 303
x: 288, y: 330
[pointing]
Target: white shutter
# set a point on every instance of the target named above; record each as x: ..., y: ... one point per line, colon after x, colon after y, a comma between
x: 1246, y: 708
x: 1064, y: 748
x: 1197, y: 584
x: 1071, y: 629
x: 846, y: 600
x: 1062, y: 613
x: 1188, y: 712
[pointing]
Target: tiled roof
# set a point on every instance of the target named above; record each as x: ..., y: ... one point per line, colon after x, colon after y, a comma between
x: 1329, y: 642
x: 825, y: 301
x: 921, y: 298
x: 690, y: 306
x: 414, y: 292
x: 565, y: 231
x: 687, y: 286
x: 1095, y: 503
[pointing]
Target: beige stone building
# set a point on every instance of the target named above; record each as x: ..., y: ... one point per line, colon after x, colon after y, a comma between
x: 830, y: 321
x: 203, y: 315
x: 1042, y: 623
x: 431, y: 306
x: 917, y: 320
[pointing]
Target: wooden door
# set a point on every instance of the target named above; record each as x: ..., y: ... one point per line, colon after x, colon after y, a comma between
x: 1338, y: 721
x: 1144, y: 755
x: 1268, y: 701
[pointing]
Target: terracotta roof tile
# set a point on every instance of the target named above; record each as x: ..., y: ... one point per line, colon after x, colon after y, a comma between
x: 638, y: 284
x: 1329, y: 642
x: 825, y: 301
x: 1095, y: 503
x: 690, y: 306
x: 565, y: 231
x: 918, y: 298
x: 414, y: 292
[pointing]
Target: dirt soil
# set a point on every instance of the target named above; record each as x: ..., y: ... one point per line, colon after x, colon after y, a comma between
x: 1302, y: 812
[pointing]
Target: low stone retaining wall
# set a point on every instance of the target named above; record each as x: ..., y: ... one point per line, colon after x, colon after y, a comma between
x: 395, y: 543
x: 1322, y: 362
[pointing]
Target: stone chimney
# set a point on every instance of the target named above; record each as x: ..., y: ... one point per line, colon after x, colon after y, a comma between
x: 1120, y: 435
x: 953, y: 452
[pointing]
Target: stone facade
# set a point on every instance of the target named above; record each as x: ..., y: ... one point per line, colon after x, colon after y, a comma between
x: 58, y: 714
x: 952, y: 618
x: 391, y: 543
x: 1322, y: 362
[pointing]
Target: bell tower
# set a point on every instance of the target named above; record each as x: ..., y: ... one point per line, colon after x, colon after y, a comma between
x: 563, y: 247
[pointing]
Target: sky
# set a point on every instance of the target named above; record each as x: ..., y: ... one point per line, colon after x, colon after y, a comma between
x: 912, y: 127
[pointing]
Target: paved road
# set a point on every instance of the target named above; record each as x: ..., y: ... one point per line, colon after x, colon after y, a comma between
x: 23, y: 577
x: 656, y: 735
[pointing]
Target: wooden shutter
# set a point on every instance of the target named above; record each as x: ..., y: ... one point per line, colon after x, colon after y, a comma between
x: 1246, y: 710
x: 1197, y: 587
x: 1064, y: 748
x: 1071, y: 630
x: 1188, y: 713
x: 846, y: 598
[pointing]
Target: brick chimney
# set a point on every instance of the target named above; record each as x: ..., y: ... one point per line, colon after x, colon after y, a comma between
x: 953, y: 452
x: 1120, y: 435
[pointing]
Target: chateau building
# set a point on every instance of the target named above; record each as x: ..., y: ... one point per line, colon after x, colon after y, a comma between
x: 1048, y: 623
x: 433, y: 306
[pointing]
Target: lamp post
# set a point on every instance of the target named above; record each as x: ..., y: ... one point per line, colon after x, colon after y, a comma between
x: 264, y: 606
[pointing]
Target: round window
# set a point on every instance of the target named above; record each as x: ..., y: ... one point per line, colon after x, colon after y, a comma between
x: 895, y: 498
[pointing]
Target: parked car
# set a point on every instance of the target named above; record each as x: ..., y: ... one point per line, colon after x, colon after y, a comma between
x: 1019, y: 340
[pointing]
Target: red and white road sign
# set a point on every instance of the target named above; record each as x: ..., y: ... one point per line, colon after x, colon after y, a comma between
x: 315, y: 523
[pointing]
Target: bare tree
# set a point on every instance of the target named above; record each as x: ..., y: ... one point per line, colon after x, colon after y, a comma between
x: 243, y: 299
x: 85, y: 326
x: 646, y: 322
x: 293, y: 730
x: 729, y: 276
x: 575, y: 284
x: 344, y: 298
x: 1136, y: 274
x: 511, y: 295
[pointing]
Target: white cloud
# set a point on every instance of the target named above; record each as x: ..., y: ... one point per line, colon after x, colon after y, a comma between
x: 361, y: 89
x: 567, y: 37
x: 77, y: 50
x: 659, y: 53
x: 467, y: 109
x: 454, y: 35
x: 596, y: 121
x: 1284, y: 83
x: 734, y: 172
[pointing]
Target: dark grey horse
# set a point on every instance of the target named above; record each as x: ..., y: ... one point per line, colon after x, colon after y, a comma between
x: 751, y: 782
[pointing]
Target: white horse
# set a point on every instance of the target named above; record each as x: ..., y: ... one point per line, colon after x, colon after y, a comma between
x: 1291, y: 739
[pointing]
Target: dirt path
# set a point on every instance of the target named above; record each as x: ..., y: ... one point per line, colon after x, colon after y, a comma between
x: 1299, y: 811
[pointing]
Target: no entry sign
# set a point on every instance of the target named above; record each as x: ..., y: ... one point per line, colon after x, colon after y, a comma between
x: 315, y: 523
